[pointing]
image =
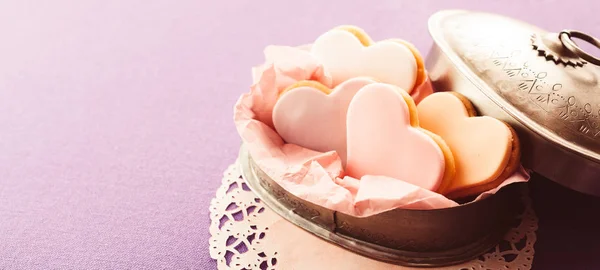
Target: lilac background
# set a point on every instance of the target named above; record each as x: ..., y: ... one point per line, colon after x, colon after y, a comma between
x: 116, y: 121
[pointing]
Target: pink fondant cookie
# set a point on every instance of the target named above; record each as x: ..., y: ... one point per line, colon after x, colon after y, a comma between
x: 486, y: 150
x: 347, y: 52
x: 384, y: 139
x: 313, y: 116
x: 366, y: 40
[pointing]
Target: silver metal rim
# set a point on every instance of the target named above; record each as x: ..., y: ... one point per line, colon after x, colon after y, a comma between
x: 373, y: 251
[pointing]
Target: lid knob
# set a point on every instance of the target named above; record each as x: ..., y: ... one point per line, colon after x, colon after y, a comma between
x: 567, y: 41
x: 550, y: 46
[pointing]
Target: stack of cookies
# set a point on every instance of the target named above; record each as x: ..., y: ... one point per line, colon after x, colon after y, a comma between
x: 369, y: 115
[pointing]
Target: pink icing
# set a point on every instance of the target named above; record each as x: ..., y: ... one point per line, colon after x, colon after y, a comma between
x: 310, y: 118
x: 344, y: 57
x: 317, y: 176
x: 381, y: 140
x: 293, y: 65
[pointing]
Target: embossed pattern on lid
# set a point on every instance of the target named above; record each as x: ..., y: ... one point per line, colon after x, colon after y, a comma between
x: 545, y: 86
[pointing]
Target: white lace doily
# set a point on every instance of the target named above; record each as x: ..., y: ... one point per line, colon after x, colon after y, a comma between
x: 247, y: 235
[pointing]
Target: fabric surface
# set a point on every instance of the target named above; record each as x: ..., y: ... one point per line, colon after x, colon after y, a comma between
x: 116, y: 121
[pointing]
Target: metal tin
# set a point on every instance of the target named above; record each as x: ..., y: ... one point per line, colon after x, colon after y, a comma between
x: 539, y: 82
x: 423, y: 238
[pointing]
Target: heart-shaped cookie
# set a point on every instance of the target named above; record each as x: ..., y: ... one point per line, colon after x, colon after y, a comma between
x: 486, y: 150
x: 313, y: 116
x: 366, y: 40
x: 347, y: 52
x: 384, y: 139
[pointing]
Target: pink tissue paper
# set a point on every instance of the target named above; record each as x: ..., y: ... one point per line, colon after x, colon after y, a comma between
x: 315, y: 176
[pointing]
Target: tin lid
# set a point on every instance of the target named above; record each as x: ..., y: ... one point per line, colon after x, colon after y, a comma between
x: 542, y: 81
